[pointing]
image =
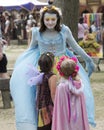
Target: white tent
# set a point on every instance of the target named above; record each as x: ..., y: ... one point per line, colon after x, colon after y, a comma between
x: 36, y: 2
x: 11, y: 3
x: 20, y: 2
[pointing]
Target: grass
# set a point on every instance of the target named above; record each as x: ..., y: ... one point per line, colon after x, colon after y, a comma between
x: 13, y: 52
x: 98, y: 77
x: 97, y: 82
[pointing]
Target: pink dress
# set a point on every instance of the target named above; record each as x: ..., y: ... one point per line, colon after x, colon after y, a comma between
x: 81, y: 29
x: 69, y: 108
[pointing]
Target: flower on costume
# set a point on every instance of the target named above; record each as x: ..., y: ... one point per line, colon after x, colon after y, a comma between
x: 45, y: 8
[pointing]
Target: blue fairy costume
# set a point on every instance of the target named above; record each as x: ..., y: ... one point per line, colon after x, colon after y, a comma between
x: 24, y: 96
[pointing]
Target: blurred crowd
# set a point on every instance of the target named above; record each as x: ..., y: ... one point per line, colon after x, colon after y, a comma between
x: 91, y: 38
x: 16, y: 25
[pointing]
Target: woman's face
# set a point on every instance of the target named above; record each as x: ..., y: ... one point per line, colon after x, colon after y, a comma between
x: 50, y: 20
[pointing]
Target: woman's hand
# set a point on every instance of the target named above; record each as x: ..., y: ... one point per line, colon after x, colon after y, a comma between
x: 90, y: 66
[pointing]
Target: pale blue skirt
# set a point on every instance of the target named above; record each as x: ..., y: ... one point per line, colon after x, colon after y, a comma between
x: 24, y: 96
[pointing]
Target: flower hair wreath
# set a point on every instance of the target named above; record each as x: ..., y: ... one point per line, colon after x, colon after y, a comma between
x: 52, y: 7
x: 58, y: 66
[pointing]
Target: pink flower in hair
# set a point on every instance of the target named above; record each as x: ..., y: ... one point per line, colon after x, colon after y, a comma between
x: 74, y: 59
x: 58, y: 66
x: 77, y: 68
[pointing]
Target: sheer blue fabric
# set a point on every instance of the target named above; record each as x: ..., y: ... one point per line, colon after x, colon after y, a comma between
x: 26, y: 126
x: 24, y: 96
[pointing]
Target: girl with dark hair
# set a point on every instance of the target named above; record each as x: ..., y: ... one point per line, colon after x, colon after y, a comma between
x: 51, y: 36
x: 46, y: 83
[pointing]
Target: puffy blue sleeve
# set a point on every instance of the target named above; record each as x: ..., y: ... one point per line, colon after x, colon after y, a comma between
x: 34, y: 40
x: 78, y: 50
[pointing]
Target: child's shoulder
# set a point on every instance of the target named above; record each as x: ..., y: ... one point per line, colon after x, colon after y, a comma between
x: 50, y: 74
x: 62, y: 84
x: 51, y: 77
x: 63, y: 88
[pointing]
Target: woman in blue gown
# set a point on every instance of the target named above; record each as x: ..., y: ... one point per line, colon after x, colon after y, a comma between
x: 51, y: 36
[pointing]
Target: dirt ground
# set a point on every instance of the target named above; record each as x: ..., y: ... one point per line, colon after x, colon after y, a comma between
x: 7, y: 117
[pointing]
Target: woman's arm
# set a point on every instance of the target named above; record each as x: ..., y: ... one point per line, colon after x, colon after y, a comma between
x: 76, y: 48
x: 34, y: 38
x: 52, y: 85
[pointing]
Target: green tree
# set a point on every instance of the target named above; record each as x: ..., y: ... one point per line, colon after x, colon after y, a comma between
x: 70, y: 11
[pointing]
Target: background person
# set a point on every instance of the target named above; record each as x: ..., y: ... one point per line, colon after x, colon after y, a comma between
x: 82, y: 27
x: 31, y: 22
x: 3, y: 57
x: 93, y: 27
x: 3, y: 61
x: 7, y: 30
x: 19, y: 26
